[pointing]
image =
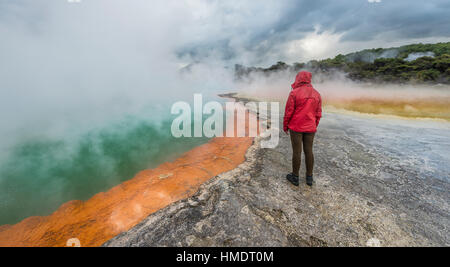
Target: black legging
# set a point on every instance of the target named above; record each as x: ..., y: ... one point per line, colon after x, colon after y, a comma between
x: 307, y: 140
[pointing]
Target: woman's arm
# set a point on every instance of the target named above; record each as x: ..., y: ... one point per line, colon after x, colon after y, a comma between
x: 290, y: 108
x: 319, y: 111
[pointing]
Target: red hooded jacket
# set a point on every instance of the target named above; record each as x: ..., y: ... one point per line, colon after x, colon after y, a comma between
x: 304, y: 106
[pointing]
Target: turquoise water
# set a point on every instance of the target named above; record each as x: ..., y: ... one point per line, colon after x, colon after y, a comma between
x: 41, y: 174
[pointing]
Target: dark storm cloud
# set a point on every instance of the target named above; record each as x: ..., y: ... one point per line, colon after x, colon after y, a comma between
x: 361, y: 20
x: 387, y: 21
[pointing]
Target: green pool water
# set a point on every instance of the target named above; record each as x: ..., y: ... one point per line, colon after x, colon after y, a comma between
x: 41, y: 174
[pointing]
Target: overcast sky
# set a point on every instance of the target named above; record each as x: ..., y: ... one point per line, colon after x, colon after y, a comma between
x: 245, y: 31
x: 296, y: 30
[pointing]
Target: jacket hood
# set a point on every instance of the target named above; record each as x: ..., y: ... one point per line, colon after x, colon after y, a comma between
x: 303, y: 78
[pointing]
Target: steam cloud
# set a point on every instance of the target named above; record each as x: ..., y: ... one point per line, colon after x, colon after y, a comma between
x: 67, y: 68
x: 414, y: 56
x: 336, y: 87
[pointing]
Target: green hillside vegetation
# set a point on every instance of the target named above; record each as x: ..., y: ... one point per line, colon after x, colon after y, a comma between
x: 378, y: 65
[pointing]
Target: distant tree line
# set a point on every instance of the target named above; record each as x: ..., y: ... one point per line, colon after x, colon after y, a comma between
x: 400, y: 65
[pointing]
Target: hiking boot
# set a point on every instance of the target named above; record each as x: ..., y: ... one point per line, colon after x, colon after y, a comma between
x: 309, y: 180
x: 293, y: 179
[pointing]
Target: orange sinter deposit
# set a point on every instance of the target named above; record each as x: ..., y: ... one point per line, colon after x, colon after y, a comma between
x: 106, y: 215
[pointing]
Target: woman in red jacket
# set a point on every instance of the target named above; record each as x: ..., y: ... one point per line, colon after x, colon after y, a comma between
x: 301, y: 119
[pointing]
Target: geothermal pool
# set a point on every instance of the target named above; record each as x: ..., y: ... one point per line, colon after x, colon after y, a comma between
x: 107, y: 214
x: 39, y: 174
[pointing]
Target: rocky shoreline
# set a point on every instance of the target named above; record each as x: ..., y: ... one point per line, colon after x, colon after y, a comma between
x: 362, y: 197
